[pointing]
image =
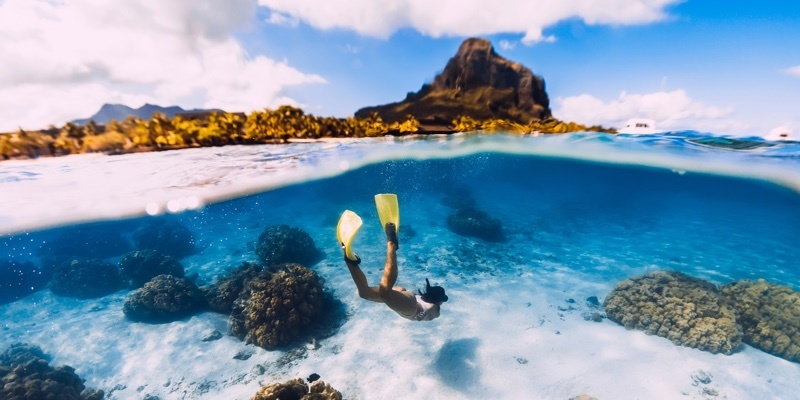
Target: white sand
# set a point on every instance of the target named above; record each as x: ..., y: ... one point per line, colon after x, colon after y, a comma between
x: 506, y: 333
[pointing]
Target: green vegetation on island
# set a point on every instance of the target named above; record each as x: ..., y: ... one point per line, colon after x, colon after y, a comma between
x: 225, y: 128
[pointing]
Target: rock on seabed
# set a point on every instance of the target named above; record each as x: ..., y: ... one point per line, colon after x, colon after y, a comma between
x: 686, y: 310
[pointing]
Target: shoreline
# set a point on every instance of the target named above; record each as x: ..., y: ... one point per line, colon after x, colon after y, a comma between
x: 275, y: 142
x: 281, y: 126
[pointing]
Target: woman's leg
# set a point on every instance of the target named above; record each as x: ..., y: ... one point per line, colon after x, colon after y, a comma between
x: 365, y: 291
x: 397, y: 298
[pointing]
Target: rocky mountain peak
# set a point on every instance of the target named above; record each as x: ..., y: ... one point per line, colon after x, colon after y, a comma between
x: 476, y: 46
x: 476, y: 82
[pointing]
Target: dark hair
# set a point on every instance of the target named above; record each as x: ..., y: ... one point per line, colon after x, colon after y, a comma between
x: 433, y: 294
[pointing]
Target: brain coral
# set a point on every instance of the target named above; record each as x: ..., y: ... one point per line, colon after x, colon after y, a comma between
x: 165, y: 298
x: 85, y: 279
x: 277, y: 308
x: 769, y: 315
x: 688, y: 311
x: 296, y: 389
x: 168, y: 236
x: 21, y: 353
x: 475, y: 223
x: 26, y: 375
x: 281, y: 244
x: 138, y: 267
x: 221, y: 295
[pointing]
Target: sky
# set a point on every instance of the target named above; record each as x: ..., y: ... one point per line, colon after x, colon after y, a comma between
x: 725, y: 67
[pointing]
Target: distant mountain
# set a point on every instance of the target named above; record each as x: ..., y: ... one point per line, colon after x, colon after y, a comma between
x: 118, y: 112
x: 478, y: 83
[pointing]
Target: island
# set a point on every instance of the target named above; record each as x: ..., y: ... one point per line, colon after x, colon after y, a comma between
x: 478, y: 90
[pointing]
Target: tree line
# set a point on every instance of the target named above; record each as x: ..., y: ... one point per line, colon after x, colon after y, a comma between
x: 223, y: 128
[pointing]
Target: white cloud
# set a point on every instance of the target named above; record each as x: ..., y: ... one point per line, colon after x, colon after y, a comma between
x: 793, y: 71
x: 673, y: 110
x: 282, y: 19
x: 534, y: 36
x: 462, y: 18
x: 505, y: 45
x: 62, y: 60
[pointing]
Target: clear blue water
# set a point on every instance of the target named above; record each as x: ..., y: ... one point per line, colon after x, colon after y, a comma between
x: 571, y: 216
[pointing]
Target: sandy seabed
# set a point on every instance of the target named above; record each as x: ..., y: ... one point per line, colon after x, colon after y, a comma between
x: 516, y: 331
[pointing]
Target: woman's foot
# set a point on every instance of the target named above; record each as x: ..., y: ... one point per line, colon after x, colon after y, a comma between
x: 391, y: 233
x: 355, y: 262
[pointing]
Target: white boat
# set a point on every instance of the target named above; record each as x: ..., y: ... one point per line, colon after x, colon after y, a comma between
x: 639, y: 126
x: 779, y: 134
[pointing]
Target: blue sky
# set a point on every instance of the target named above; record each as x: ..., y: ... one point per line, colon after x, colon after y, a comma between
x: 720, y: 66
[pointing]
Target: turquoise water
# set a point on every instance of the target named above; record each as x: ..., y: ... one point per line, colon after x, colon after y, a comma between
x: 573, y: 222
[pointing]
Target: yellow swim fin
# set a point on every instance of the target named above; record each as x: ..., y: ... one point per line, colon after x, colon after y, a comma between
x: 388, y: 209
x: 349, y: 224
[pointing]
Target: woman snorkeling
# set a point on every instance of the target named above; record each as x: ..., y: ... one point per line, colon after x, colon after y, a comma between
x: 421, y: 307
